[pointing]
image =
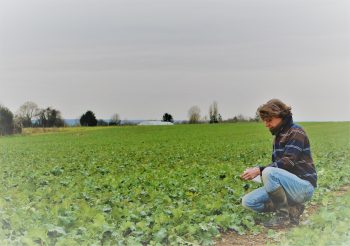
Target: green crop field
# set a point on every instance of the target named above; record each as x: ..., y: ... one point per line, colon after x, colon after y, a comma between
x: 145, y: 184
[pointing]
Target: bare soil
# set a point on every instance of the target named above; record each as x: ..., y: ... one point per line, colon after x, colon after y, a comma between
x: 233, y: 238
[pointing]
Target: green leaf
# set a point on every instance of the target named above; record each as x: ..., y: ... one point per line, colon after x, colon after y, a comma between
x: 160, y: 235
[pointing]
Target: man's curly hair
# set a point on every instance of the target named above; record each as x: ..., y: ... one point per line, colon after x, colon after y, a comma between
x: 274, y: 108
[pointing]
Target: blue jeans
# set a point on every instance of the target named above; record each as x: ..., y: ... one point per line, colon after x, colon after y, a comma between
x: 297, y: 189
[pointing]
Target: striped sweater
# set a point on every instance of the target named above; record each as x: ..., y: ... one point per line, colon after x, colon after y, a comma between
x: 291, y: 151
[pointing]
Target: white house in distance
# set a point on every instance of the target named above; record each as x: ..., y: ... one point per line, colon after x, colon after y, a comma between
x: 155, y: 123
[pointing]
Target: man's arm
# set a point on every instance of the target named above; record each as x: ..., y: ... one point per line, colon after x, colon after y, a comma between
x: 250, y: 173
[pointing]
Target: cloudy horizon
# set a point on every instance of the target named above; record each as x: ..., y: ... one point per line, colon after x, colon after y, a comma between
x: 142, y: 59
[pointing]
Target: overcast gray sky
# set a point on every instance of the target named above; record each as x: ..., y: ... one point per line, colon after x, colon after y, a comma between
x: 144, y: 58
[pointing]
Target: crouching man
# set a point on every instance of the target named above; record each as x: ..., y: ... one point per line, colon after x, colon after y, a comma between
x: 290, y: 180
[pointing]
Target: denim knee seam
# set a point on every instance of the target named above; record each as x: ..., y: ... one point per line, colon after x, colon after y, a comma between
x: 271, y: 182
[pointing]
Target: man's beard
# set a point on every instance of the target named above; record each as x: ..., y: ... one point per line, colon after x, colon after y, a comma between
x: 285, y: 122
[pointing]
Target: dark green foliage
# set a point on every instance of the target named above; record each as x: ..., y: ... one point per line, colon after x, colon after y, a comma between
x: 168, y: 117
x: 88, y: 119
x: 49, y: 117
x: 6, y: 121
x: 26, y: 122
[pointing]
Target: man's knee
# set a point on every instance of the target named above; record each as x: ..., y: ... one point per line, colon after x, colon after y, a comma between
x: 255, y: 200
x: 245, y: 202
x: 268, y: 173
x: 248, y: 202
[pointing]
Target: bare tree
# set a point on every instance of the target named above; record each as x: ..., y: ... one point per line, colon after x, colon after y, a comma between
x: 194, y: 114
x: 241, y: 117
x: 27, y: 113
x: 214, y: 116
x: 257, y: 117
x: 210, y: 112
x: 17, y: 125
x: 115, y: 120
x: 205, y: 118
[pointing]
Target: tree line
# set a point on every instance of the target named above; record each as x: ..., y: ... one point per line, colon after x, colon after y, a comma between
x: 194, y: 116
x: 30, y: 115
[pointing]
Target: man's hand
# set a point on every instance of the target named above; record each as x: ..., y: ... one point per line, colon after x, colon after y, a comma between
x: 250, y: 173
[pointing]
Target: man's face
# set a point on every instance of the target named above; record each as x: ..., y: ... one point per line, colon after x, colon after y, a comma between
x: 272, y: 123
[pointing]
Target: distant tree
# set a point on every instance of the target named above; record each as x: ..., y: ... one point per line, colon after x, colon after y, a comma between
x: 240, y: 118
x: 102, y: 123
x: 27, y: 113
x: 194, y: 115
x: 50, y: 117
x: 205, y: 118
x: 219, y: 118
x: 17, y: 124
x: 257, y: 117
x: 214, y: 113
x: 235, y: 119
x: 168, y: 117
x: 115, y: 120
x: 127, y: 122
x: 6, y: 121
x: 88, y: 119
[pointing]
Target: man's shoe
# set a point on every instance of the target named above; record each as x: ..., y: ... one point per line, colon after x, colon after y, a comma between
x: 279, y: 200
x: 269, y: 207
x: 295, y: 212
x: 278, y: 222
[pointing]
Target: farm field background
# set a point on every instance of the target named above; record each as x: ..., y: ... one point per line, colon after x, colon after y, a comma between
x: 145, y: 184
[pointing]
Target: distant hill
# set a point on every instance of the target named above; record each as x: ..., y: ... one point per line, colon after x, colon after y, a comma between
x: 71, y: 122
